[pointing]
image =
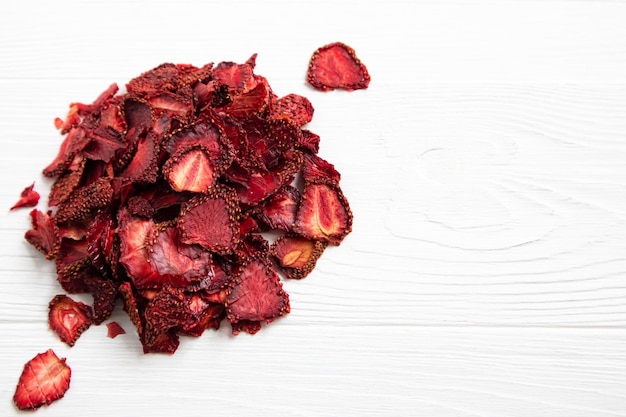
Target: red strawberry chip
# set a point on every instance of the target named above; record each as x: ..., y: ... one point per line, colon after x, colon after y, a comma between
x: 68, y: 318
x: 336, y: 66
x: 45, y: 379
x: 28, y: 198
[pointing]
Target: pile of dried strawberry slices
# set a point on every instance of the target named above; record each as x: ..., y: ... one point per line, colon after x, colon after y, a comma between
x: 186, y: 197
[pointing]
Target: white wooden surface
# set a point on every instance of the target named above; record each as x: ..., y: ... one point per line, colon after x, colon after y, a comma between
x: 486, y: 168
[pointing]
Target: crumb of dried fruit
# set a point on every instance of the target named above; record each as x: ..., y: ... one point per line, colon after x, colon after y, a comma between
x: 114, y: 329
x: 162, y: 194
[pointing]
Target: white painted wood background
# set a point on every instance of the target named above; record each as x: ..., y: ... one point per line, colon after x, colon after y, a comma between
x: 486, y: 168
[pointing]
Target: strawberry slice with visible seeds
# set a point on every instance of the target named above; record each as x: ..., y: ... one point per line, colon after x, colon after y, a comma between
x: 324, y: 214
x: 318, y: 170
x: 85, y: 201
x: 256, y: 294
x: 211, y: 221
x: 190, y: 170
x: 28, y: 198
x: 337, y: 66
x: 296, y: 107
x: 279, y: 211
x: 44, y: 235
x: 297, y: 255
x: 68, y: 318
x: 45, y: 378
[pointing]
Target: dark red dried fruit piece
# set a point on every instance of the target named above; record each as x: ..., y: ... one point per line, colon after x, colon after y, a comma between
x: 85, y: 201
x: 68, y: 318
x: 191, y: 169
x: 297, y: 255
x: 295, y: 107
x: 211, y: 221
x: 319, y: 171
x: 45, y: 378
x: 256, y: 294
x: 337, y: 66
x: 28, y: 198
x: 67, y: 182
x: 309, y: 141
x: 44, y: 235
x: 279, y: 211
x: 114, y: 329
x: 324, y: 214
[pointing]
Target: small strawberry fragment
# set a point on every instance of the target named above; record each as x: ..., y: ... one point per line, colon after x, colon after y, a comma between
x: 279, y: 211
x: 324, y: 214
x: 85, y: 201
x: 297, y: 255
x: 28, y: 198
x: 256, y: 294
x: 45, y: 378
x: 114, y: 329
x: 337, y: 66
x: 44, y: 235
x: 68, y: 318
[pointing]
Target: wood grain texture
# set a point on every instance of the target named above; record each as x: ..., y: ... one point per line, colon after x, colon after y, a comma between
x: 486, y: 168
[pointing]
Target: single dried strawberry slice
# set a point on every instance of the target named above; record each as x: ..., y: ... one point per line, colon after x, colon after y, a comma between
x: 133, y: 233
x: 191, y: 169
x: 319, y: 171
x: 324, y: 214
x: 68, y: 318
x: 238, y: 77
x: 114, y: 329
x: 104, y: 292
x: 279, y: 211
x: 175, y: 263
x: 297, y: 255
x: 85, y: 201
x: 28, y: 198
x: 45, y: 378
x: 44, y: 235
x: 137, y: 114
x: 256, y: 294
x: 295, y: 107
x: 248, y: 326
x: 211, y: 220
x: 143, y: 168
x: 309, y: 141
x: 74, y: 142
x: 130, y: 306
x: 67, y: 182
x: 103, y: 145
x: 337, y: 66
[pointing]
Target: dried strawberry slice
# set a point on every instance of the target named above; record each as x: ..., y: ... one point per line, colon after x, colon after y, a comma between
x: 319, y: 171
x: 248, y: 326
x: 130, y: 305
x: 114, y: 329
x: 67, y: 182
x: 44, y: 235
x: 104, y: 294
x: 295, y: 107
x: 85, y: 201
x: 74, y: 142
x: 28, y: 198
x: 309, y: 141
x: 45, y: 378
x: 175, y: 263
x: 137, y: 114
x: 191, y: 169
x: 297, y: 255
x: 133, y: 233
x: 68, y: 318
x: 103, y: 145
x: 337, y: 66
x: 324, y: 214
x: 238, y: 77
x: 211, y: 220
x: 279, y: 211
x: 256, y: 294
x: 143, y: 168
